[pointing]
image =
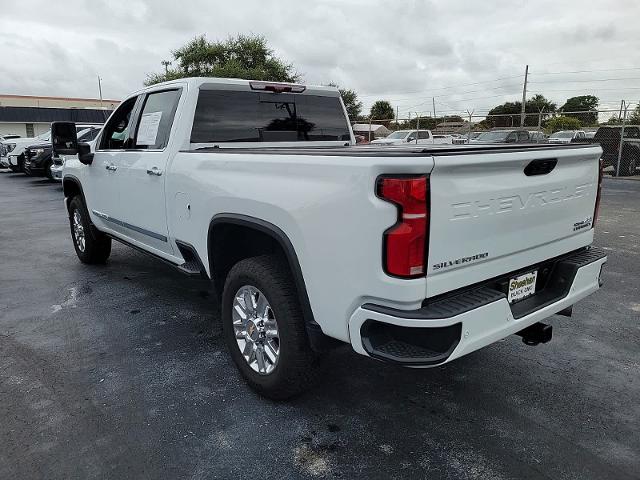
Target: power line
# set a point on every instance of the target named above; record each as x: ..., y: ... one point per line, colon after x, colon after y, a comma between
x: 587, y: 71
x: 582, y: 89
x: 447, y: 88
x: 588, y: 81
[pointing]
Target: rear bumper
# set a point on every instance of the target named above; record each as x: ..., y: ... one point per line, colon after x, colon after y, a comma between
x: 56, y: 172
x: 453, y: 325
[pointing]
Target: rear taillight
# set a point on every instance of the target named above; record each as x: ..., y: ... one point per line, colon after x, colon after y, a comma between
x: 405, y: 243
x: 598, y: 194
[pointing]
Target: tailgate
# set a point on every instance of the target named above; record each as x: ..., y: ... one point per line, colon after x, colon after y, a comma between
x: 489, y: 218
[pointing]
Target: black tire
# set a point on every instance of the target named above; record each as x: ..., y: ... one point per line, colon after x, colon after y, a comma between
x: 96, y: 247
x: 629, y: 160
x: 20, y: 161
x: 297, y: 365
x: 47, y: 169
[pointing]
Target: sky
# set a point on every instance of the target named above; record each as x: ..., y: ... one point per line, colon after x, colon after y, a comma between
x: 464, y: 55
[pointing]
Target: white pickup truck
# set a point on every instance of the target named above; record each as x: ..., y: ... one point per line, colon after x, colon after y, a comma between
x: 412, y: 255
x: 416, y: 137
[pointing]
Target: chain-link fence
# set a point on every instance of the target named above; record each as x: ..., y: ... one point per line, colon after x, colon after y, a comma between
x: 620, y: 140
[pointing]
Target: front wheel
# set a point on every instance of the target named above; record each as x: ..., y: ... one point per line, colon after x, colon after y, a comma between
x: 47, y: 170
x: 91, y: 245
x: 264, y: 328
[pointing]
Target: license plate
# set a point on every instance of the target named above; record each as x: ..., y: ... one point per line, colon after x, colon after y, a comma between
x: 522, y: 286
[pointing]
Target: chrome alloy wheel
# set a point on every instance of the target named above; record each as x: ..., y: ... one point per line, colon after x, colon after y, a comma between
x: 256, y: 329
x: 78, y: 231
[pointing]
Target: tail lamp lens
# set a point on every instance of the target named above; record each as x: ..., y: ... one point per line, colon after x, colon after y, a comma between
x: 405, y: 243
x: 598, y: 194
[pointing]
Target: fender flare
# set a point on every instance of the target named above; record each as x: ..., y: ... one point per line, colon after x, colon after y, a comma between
x: 76, y: 181
x: 319, y: 341
x: 70, y: 178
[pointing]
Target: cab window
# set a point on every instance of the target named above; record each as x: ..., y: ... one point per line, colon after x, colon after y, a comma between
x: 116, y: 131
x: 422, y: 135
x: 154, y: 125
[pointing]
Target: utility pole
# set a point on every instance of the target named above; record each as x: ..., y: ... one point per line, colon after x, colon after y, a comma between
x: 397, y: 113
x: 621, y: 146
x: 433, y: 99
x: 621, y: 107
x: 540, y: 119
x: 470, y: 113
x: 166, y: 64
x: 417, y: 126
x: 524, y: 96
x: 100, y: 89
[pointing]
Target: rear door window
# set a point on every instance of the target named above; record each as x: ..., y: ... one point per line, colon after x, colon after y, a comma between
x: 237, y: 116
x: 154, y: 125
x: 423, y: 135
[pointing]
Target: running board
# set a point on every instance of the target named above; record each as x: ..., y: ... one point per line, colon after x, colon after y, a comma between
x: 193, y: 265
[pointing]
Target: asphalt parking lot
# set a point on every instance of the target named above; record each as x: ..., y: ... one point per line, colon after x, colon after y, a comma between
x: 120, y: 371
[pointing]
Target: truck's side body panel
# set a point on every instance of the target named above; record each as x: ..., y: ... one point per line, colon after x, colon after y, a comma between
x: 327, y: 207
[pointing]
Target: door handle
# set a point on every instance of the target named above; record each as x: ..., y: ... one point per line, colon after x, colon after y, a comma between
x: 111, y: 167
x: 540, y: 167
x: 154, y: 171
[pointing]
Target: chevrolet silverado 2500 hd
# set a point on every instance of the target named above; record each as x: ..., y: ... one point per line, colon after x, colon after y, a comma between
x: 413, y: 255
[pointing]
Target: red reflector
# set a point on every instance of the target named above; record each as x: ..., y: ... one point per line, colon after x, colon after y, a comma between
x: 596, y: 210
x: 277, y: 87
x: 405, y: 243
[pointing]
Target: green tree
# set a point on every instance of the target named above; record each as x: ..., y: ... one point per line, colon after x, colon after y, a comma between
x: 505, y: 115
x: 242, y: 56
x: 351, y: 102
x: 582, y: 103
x: 561, y: 122
x: 508, y: 114
x: 382, y: 110
x: 633, y: 117
x: 613, y: 120
x: 429, y: 123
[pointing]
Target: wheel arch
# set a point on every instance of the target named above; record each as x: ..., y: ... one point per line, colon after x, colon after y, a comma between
x: 71, y: 187
x: 226, y: 239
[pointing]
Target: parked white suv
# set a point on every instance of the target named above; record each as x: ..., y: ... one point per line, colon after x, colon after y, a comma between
x: 567, y: 136
x: 5, y: 147
x: 415, y: 256
x: 15, y: 155
x: 406, y: 136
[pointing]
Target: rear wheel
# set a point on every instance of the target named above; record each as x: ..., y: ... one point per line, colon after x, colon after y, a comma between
x: 47, y: 170
x: 264, y: 328
x: 91, y: 245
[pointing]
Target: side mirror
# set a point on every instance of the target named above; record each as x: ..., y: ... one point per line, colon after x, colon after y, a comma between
x: 85, y: 155
x: 64, y: 138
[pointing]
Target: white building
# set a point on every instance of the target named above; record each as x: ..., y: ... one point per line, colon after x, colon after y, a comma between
x: 376, y: 130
